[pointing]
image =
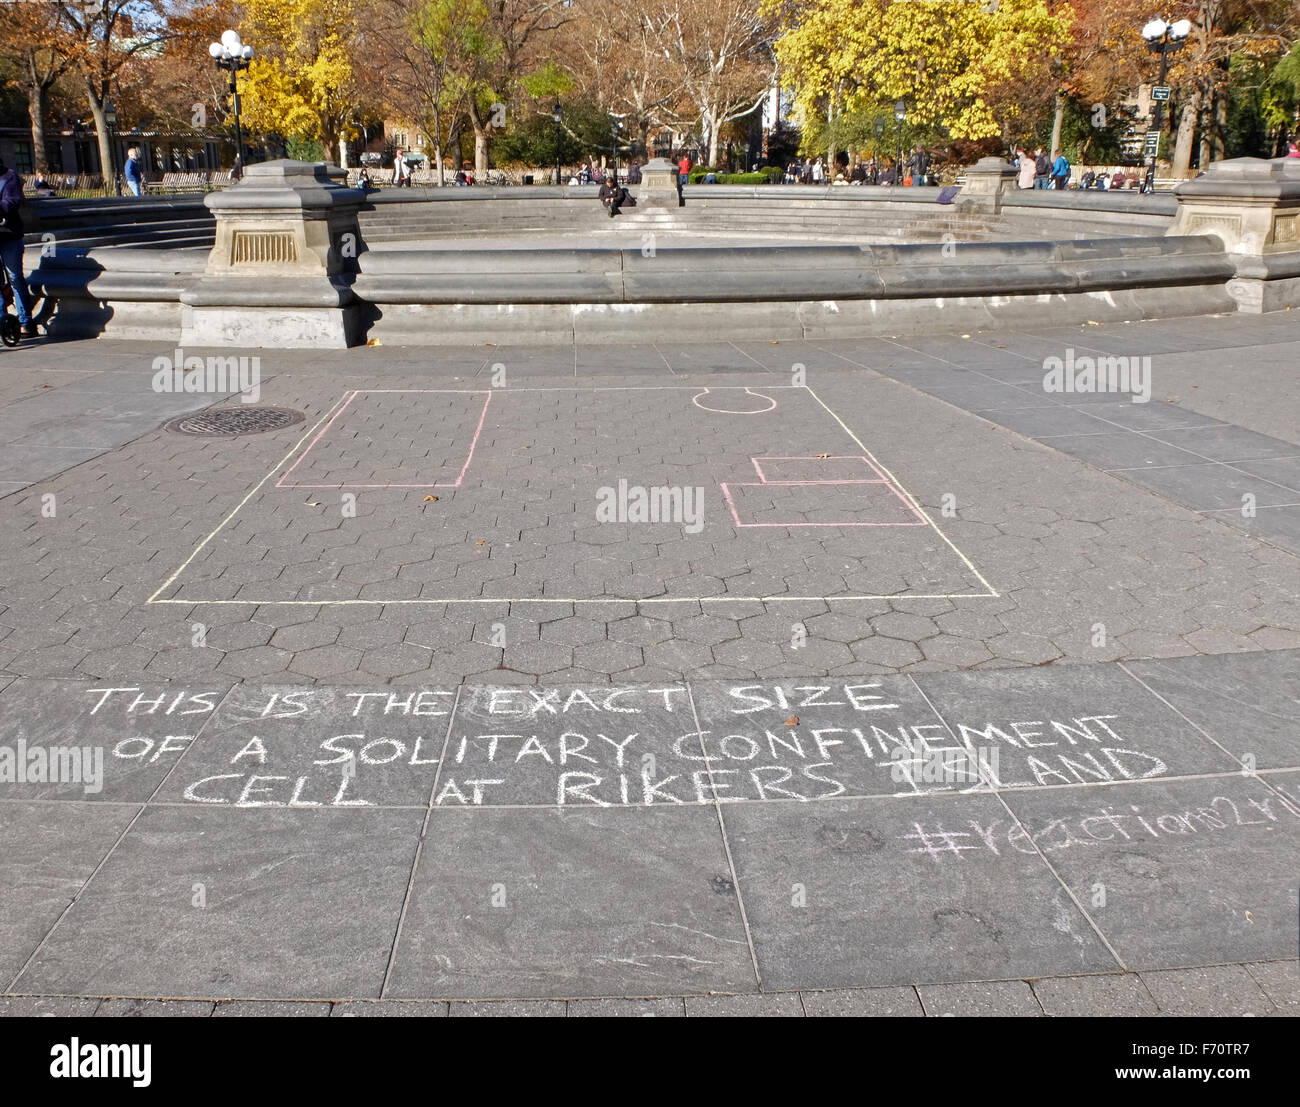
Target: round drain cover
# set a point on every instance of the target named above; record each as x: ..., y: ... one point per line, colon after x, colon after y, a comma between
x: 230, y: 422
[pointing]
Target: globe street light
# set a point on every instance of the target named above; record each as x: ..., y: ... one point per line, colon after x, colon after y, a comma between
x: 1164, y: 39
x: 900, y: 116
x: 231, y: 53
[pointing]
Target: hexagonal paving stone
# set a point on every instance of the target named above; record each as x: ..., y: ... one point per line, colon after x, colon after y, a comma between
x: 325, y: 661
x: 391, y: 661
x: 305, y: 636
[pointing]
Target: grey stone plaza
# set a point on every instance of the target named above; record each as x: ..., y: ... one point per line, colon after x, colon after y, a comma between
x: 857, y: 671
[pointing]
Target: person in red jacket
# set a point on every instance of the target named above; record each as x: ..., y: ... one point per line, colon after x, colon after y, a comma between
x: 683, y: 170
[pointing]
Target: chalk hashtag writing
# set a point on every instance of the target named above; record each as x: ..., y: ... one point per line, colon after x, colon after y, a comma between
x: 938, y: 842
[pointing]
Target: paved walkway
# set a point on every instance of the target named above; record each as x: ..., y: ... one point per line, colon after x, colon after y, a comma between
x: 937, y: 692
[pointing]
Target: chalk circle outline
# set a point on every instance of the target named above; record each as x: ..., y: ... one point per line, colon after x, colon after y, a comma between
x: 728, y: 411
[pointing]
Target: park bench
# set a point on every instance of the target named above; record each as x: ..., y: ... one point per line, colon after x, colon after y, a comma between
x: 177, y: 182
x: 193, y: 181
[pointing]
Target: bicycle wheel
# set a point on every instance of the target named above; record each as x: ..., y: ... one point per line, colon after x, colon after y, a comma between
x: 10, y: 332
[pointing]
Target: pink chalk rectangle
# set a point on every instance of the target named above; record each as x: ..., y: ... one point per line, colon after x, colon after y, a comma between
x: 838, y: 469
x: 821, y: 504
x: 410, y: 438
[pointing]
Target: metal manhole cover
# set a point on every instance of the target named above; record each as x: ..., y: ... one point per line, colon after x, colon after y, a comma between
x: 230, y: 422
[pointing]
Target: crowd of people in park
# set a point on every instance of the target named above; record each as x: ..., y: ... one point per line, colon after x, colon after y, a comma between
x: 913, y: 170
x: 1035, y: 170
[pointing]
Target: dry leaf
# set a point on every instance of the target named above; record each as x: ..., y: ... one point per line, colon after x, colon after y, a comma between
x: 793, y: 720
x: 374, y: 342
x: 311, y: 503
x: 430, y: 499
x: 481, y: 542
x: 823, y: 457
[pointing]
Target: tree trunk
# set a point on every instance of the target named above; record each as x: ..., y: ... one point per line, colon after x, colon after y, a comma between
x: 107, y: 162
x: 830, y: 144
x: 1220, y: 125
x: 453, y: 142
x: 330, y: 136
x: 1058, y: 119
x: 710, y: 136
x: 480, y: 139
x: 37, y: 95
x: 1182, y: 156
x: 1203, y: 154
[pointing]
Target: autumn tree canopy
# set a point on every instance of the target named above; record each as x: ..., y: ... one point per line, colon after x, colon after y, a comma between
x: 477, y: 76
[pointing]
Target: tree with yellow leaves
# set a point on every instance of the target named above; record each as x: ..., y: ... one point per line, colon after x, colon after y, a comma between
x: 304, y: 81
x: 949, y: 61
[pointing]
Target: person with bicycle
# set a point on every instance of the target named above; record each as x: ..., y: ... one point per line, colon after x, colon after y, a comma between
x: 11, y: 246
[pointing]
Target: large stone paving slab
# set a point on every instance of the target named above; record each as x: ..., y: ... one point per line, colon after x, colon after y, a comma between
x: 100, y: 741
x: 572, y: 903
x: 1175, y: 873
x: 1248, y: 702
x: 871, y: 892
x: 1077, y: 724
x: 47, y: 852
x: 207, y: 903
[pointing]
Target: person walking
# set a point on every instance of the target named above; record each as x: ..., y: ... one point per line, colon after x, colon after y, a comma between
x: 918, y: 165
x: 401, y: 171
x: 1025, y: 165
x: 1061, y: 172
x: 684, y: 170
x: 11, y: 246
x: 634, y: 173
x: 133, y: 172
x: 818, y: 172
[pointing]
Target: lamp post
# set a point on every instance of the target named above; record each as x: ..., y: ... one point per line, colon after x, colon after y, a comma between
x: 1164, y: 39
x: 231, y: 54
x: 557, y: 114
x: 110, y: 122
x: 615, y: 133
x: 900, y: 117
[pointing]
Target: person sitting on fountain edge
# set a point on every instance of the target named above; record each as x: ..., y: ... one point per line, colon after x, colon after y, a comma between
x: 612, y: 194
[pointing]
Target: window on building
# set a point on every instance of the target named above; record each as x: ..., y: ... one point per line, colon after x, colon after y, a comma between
x: 23, y: 157
x: 54, y: 155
